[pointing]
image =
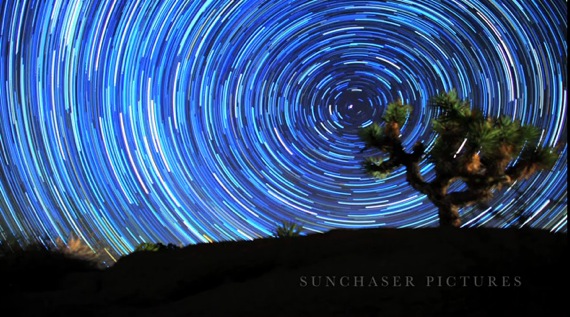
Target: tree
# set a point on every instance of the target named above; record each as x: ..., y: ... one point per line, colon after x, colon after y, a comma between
x: 483, y: 153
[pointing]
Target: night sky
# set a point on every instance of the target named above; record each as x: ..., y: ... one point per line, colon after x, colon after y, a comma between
x: 193, y: 121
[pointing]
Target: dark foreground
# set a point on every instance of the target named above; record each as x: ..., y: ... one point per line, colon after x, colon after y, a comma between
x: 380, y: 272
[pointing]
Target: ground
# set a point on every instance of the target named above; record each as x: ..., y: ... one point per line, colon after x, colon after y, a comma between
x: 372, y: 272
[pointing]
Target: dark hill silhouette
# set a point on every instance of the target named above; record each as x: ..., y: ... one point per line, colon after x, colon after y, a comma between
x: 372, y: 272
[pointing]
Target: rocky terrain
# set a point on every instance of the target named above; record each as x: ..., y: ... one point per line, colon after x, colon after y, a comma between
x: 372, y: 272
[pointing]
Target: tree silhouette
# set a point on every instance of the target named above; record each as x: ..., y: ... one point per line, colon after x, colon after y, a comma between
x: 483, y: 153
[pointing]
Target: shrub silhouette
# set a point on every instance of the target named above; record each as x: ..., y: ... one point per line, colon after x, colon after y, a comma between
x: 39, y: 266
x: 288, y: 229
x: 148, y: 246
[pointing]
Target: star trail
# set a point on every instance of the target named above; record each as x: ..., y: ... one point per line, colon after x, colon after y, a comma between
x: 197, y: 121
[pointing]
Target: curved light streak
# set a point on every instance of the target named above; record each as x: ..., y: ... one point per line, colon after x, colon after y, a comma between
x: 197, y: 121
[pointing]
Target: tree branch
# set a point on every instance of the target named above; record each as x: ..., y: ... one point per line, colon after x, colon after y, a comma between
x: 413, y: 174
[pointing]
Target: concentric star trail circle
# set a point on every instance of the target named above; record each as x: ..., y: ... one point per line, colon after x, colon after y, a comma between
x: 195, y: 121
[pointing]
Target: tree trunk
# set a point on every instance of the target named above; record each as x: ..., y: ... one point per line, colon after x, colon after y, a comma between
x: 449, y: 216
